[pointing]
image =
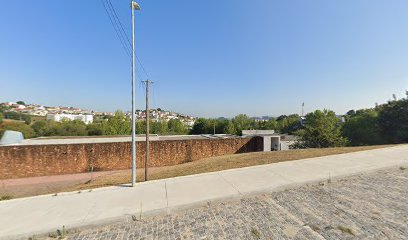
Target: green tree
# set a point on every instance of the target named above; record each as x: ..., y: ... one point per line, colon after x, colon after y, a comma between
x: 159, y: 127
x: 118, y: 125
x: 321, y: 130
x: 351, y: 112
x: 393, y: 121
x: 361, y: 128
x: 242, y: 122
x: 202, y: 126
x: 270, y: 124
x: 289, y: 124
x: 54, y: 129
x: 40, y: 128
x: 74, y: 128
x: 228, y: 127
x: 95, y: 129
x: 175, y: 126
x: 21, y: 102
x: 141, y: 127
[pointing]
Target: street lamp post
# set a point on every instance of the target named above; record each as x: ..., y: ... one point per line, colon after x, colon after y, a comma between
x: 134, y: 6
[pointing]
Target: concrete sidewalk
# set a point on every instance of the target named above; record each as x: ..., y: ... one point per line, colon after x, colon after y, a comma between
x: 28, y: 216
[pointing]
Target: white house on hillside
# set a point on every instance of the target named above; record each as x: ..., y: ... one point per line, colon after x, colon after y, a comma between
x: 86, y: 118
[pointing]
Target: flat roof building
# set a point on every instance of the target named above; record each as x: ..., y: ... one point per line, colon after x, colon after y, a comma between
x: 271, y: 140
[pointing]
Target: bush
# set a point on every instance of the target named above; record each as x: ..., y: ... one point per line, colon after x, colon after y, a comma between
x: 18, y: 116
x: 27, y: 131
x: 64, y: 128
x: 95, y: 129
x: 40, y: 128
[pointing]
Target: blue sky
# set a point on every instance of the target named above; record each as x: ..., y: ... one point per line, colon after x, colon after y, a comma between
x: 207, y: 58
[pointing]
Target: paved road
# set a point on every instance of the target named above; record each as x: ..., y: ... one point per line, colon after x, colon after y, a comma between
x: 27, y: 216
x: 370, y: 206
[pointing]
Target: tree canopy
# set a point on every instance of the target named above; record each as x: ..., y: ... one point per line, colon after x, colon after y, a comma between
x: 361, y: 128
x: 393, y: 121
x: 321, y: 130
x: 117, y: 125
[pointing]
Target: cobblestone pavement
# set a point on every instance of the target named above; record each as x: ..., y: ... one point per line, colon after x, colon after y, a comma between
x: 371, y: 206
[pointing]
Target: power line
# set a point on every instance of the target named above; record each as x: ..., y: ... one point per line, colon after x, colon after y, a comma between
x: 128, y: 39
x: 123, y: 34
x: 116, y: 30
x: 118, y: 24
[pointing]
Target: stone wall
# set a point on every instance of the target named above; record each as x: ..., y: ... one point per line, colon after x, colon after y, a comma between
x: 43, y: 160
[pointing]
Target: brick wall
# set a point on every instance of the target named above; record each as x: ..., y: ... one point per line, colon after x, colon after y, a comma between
x: 43, y: 160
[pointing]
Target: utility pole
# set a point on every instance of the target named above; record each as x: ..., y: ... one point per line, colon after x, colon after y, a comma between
x: 134, y: 6
x: 146, y: 163
x: 303, y: 105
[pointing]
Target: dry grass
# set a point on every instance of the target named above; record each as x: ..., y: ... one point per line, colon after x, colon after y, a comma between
x: 6, y: 197
x: 219, y: 163
x: 9, y: 121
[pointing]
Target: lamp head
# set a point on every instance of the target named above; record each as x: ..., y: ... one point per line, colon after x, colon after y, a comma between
x: 135, y: 5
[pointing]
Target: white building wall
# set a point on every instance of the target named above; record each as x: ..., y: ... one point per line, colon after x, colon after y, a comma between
x: 285, y: 145
x: 87, y: 119
x: 271, y: 143
x: 266, y: 144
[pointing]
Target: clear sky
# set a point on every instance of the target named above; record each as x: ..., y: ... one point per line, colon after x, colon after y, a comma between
x: 207, y: 58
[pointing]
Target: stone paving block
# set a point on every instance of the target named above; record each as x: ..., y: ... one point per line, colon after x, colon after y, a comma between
x: 369, y: 206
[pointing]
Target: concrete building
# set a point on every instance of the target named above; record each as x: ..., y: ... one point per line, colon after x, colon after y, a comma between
x: 286, y: 141
x: 271, y: 140
x: 86, y: 118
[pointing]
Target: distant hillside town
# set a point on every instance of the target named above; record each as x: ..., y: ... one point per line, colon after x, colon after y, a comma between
x: 87, y: 116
